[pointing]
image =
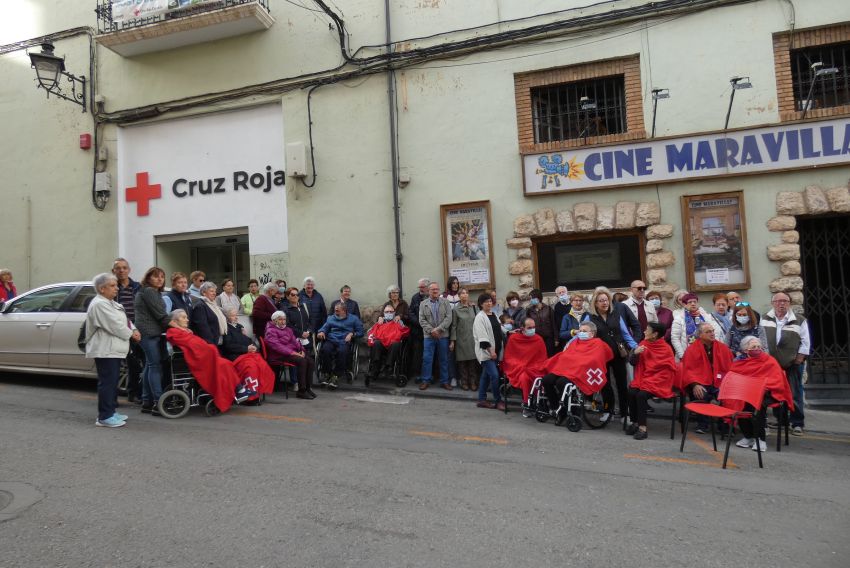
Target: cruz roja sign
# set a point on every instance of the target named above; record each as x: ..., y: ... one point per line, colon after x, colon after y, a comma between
x: 144, y: 191
x: 241, y: 181
x: 740, y: 152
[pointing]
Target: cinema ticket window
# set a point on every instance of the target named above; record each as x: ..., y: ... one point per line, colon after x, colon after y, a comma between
x: 583, y: 263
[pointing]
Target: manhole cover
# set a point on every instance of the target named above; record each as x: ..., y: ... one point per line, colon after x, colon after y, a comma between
x: 15, y: 498
x: 5, y: 499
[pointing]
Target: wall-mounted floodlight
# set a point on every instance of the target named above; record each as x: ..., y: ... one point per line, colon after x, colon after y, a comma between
x: 737, y: 84
x: 657, y: 94
x: 820, y: 71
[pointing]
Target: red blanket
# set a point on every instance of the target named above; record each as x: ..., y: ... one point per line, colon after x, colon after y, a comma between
x: 656, y: 371
x: 255, y: 372
x: 696, y: 369
x: 524, y: 361
x: 214, y: 373
x: 766, y: 366
x: 584, y: 362
x: 387, y: 333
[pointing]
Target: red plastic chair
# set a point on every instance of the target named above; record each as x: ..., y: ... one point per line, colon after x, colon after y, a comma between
x: 282, y: 366
x: 736, y: 390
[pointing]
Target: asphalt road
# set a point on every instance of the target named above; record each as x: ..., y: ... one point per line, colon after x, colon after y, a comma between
x: 348, y: 480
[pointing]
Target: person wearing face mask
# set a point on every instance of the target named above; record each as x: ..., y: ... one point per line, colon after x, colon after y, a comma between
x: 525, y: 357
x: 488, y: 346
x: 754, y: 362
x: 561, y: 309
x: 744, y: 323
x: 462, y: 341
x: 656, y: 372
x: 385, y: 338
x: 664, y: 315
x: 582, y: 363
x: 513, y: 309
x: 284, y: 347
x: 576, y: 315
x: 544, y: 318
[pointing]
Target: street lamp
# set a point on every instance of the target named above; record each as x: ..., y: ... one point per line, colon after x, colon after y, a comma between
x: 820, y: 71
x: 587, y: 104
x: 48, y: 70
x: 737, y: 84
x: 657, y: 94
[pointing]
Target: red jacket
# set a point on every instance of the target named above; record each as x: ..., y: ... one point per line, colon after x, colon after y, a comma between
x: 697, y: 369
x: 584, y: 363
x: 4, y: 293
x: 656, y: 371
x: 388, y: 333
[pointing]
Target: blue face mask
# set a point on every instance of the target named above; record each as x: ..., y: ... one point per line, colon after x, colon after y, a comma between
x: 655, y: 302
x: 507, y: 327
x: 564, y: 299
x: 528, y: 332
x: 583, y: 335
x: 534, y: 301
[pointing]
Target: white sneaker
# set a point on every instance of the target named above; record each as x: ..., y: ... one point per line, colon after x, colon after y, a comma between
x: 762, y: 446
x: 745, y: 442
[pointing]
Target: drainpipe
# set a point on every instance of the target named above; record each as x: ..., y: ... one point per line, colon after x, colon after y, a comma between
x: 391, y: 99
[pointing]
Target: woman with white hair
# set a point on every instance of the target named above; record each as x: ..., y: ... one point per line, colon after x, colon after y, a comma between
x: 208, y: 321
x: 108, y: 335
x: 284, y: 347
x: 315, y: 303
x: 399, y: 306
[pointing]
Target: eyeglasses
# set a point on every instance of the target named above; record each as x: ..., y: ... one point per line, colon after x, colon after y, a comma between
x: 640, y: 287
x: 742, y: 304
x: 781, y: 302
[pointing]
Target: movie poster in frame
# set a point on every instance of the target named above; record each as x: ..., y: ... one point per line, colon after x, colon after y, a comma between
x: 468, y: 243
x: 715, y: 238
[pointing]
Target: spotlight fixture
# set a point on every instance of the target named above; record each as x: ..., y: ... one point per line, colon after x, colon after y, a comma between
x: 819, y: 71
x: 738, y: 83
x: 657, y: 94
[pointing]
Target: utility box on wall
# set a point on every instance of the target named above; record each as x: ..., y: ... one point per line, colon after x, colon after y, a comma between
x: 296, y: 160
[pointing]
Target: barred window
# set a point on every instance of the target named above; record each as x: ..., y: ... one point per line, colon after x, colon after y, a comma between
x: 577, y: 110
x: 830, y: 89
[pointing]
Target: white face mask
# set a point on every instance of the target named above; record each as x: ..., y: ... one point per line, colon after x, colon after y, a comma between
x: 514, y: 303
x: 389, y: 315
x: 743, y: 319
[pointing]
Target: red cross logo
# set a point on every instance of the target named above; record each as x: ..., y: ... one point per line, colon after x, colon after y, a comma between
x: 252, y: 384
x: 594, y: 377
x: 143, y: 193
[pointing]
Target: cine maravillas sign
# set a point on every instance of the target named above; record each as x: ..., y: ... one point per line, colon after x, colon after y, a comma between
x: 741, y: 152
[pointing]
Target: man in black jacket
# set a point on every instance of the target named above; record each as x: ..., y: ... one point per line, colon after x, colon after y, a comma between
x: 417, y: 337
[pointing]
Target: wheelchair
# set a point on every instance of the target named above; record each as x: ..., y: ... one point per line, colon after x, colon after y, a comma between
x: 353, y: 366
x: 574, y: 410
x: 398, y: 374
x: 184, y: 392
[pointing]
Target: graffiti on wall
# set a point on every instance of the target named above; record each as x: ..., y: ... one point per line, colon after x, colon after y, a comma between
x: 269, y: 267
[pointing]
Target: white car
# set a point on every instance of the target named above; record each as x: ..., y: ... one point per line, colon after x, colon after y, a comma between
x: 39, y: 330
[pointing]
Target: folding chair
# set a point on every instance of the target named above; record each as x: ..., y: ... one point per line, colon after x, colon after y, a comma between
x: 736, y: 390
x: 678, y: 400
x: 283, y: 368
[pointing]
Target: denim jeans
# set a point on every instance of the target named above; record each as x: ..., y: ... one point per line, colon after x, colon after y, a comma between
x: 795, y: 380
x: 152, y: 373
x: 489, y: 380
x: 441, y: 346
x: 335, y: 356
x: 107, y: 386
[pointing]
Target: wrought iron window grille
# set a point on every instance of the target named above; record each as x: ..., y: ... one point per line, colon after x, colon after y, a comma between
x: 827, y: 90
x: 106, y: 24
x: 568, y: 111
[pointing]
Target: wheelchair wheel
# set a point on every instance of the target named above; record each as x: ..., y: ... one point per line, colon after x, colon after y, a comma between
x: 174, y: 404
x: 541, y: 413
x: 210, y: 409
x: 123, y: 378
x: 349, y: 377
x: 573, y: 423
x: 401, y: 381
x: 594, y: 412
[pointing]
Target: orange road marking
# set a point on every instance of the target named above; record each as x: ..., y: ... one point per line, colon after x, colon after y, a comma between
x: 84, y: 396
x: 458, y: 437
x: 670, y: 460
x: 273, y: 417
x: 718, y: 454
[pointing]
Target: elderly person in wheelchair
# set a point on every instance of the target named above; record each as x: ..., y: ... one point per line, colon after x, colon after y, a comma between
x: 386, y: 338
x: 285, y: 349
x: 224, y: 380
x: 524, y: 360
x: 574, y: 382
x: 338, y: 335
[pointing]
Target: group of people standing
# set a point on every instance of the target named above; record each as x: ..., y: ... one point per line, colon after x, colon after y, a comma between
x: 449, y: 337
